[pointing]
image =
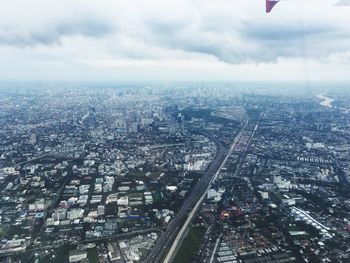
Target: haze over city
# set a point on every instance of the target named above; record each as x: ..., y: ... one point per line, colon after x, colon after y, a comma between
x: 175, y: 131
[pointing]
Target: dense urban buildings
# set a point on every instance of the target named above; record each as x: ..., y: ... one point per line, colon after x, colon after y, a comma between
x: 202, y: 172
x: 175, y: 131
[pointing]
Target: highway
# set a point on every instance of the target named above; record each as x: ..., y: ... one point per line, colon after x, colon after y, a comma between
x: 31, y: 160
x: 175, y: 233
x: 180, y: 236
x: 114, y: 238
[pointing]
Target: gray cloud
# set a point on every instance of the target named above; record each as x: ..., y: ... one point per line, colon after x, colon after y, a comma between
x: 52, y: 33
x: 250, y: 39
x: 233, y: 36
x: 236, y: 32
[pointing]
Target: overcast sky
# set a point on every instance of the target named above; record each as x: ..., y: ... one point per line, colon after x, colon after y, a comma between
x: 111, y: 40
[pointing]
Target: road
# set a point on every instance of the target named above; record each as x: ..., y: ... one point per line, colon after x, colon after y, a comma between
x: 175, y: 231
x: 31, y: 160
x: 114, y: 238
x: 180, y: 236
x: 214, y: 250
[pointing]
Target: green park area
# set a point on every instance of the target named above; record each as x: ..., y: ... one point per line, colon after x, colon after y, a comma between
x: 190, y: 244
x: 92, y: 255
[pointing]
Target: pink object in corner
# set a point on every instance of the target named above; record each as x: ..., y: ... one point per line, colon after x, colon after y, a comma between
x: 270, y: 4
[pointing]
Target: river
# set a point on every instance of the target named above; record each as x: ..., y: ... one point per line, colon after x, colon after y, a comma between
x: 326, y: 101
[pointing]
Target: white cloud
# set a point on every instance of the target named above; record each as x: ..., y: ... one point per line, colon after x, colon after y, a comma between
x: 173, y: 39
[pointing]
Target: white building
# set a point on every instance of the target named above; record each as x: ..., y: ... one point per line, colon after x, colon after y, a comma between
x: 123, y: 201
x: 75, y: 213
x: 101, y: 210
x: 77, y: 256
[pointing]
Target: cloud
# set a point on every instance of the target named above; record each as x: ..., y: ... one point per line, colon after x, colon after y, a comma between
x: 99, y: 34
x: 48, y: 34
x: 238, y: 32
x: 343, y: 3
